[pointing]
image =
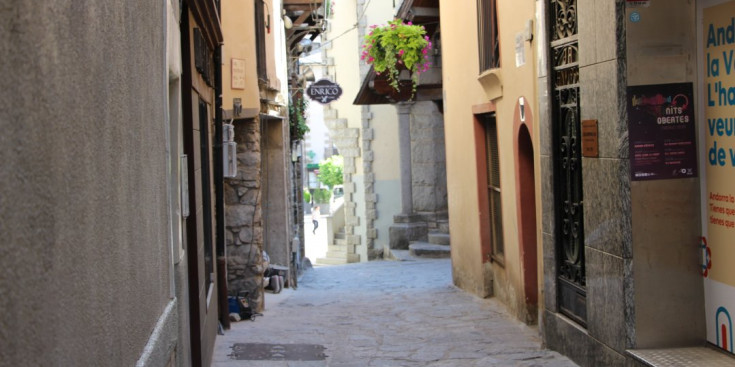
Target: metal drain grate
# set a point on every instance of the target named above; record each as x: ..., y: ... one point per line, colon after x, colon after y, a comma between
x: 277, y: 352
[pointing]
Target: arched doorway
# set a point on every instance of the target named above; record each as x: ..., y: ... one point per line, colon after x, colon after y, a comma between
x: 527, y: 225
x: 526, y: 201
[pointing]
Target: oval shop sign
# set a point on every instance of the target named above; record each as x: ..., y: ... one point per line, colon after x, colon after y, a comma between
x: 324, y: 91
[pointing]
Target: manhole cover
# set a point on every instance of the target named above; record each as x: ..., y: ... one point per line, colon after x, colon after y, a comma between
x: 277, y: 352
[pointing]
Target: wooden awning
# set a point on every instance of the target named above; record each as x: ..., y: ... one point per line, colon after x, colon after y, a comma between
x: 307, y: 17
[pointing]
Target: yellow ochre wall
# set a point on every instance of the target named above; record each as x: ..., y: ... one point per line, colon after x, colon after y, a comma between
x: 239, y: 43
x: 462, y: 91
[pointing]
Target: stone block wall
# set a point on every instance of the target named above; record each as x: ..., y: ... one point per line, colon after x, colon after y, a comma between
x: 244, y: 225
x: 347, y: 141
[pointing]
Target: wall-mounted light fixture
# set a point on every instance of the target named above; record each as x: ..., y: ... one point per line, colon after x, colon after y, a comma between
x: 236, y: 106
x: 522, y: 108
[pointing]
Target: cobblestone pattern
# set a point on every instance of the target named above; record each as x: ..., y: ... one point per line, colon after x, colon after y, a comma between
x: 244, y: 226
x: 385, y: 313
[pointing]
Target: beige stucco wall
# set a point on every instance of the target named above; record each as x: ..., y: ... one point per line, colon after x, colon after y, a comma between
x: 386, y: 168
x: 85, y: 256
x: 462, y: 91
x: 239, y: 43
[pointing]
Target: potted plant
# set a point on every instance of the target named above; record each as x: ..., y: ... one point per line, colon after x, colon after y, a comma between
x: 397, y: 46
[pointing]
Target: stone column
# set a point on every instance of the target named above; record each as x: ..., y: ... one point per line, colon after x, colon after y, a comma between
x: 404, y: 142
x: 407, y: 226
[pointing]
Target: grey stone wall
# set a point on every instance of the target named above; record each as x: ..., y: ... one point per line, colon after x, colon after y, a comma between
x: 371, y: 197
x: 665, y: 273
x: 276, y: 188
x: 244, y: 225
x: 85, y: 258
x: 606, y: 190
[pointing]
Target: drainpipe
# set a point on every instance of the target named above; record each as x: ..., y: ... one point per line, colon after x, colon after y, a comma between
x: 219, y: 192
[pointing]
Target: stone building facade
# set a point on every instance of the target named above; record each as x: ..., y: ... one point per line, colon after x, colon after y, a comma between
x: 368, y: 130
x: 641, y: 281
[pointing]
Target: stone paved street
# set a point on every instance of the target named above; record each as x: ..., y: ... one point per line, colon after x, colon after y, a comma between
x: 388, y: 313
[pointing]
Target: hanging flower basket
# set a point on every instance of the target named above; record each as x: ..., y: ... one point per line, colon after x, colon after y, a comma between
x: 397, y: 46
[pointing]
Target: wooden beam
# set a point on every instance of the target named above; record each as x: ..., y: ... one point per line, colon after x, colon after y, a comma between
x: 301, y: 18
x: 424, y: 12
x: 302, y: 2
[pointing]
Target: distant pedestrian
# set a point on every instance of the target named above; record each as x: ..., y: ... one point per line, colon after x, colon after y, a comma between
x: 315, y: 218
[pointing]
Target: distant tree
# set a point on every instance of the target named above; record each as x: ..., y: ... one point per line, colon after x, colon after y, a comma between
x: 321, y: 196
x: 330, y: 171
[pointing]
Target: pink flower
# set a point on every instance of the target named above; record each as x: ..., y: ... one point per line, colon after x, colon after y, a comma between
x: 401, y: 52
x: 371, y: 59
x: 409, y: 23
x: 373, y: 27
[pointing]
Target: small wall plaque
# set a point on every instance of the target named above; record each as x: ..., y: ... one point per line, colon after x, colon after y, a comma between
x: 589, y: 139
x: 238, y: 74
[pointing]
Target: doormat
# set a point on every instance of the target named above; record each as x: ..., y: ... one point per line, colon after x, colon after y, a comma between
x: 277, y: 352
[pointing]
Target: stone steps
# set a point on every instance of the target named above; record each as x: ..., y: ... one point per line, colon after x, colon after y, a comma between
x: 339, y: 253
x: 430, y: 250
x: 340, y: 248
x: 443, y: 225
x: 337, y: 260
x: 439, y: 238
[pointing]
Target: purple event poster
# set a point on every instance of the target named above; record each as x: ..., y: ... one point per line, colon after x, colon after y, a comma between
x: 662, y: 141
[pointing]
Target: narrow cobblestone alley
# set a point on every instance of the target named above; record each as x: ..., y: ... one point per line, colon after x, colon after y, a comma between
x: 386, y: 313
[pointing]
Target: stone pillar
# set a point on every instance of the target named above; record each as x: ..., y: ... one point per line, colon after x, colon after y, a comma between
x: 407, y: 226
x: 404, y: 142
